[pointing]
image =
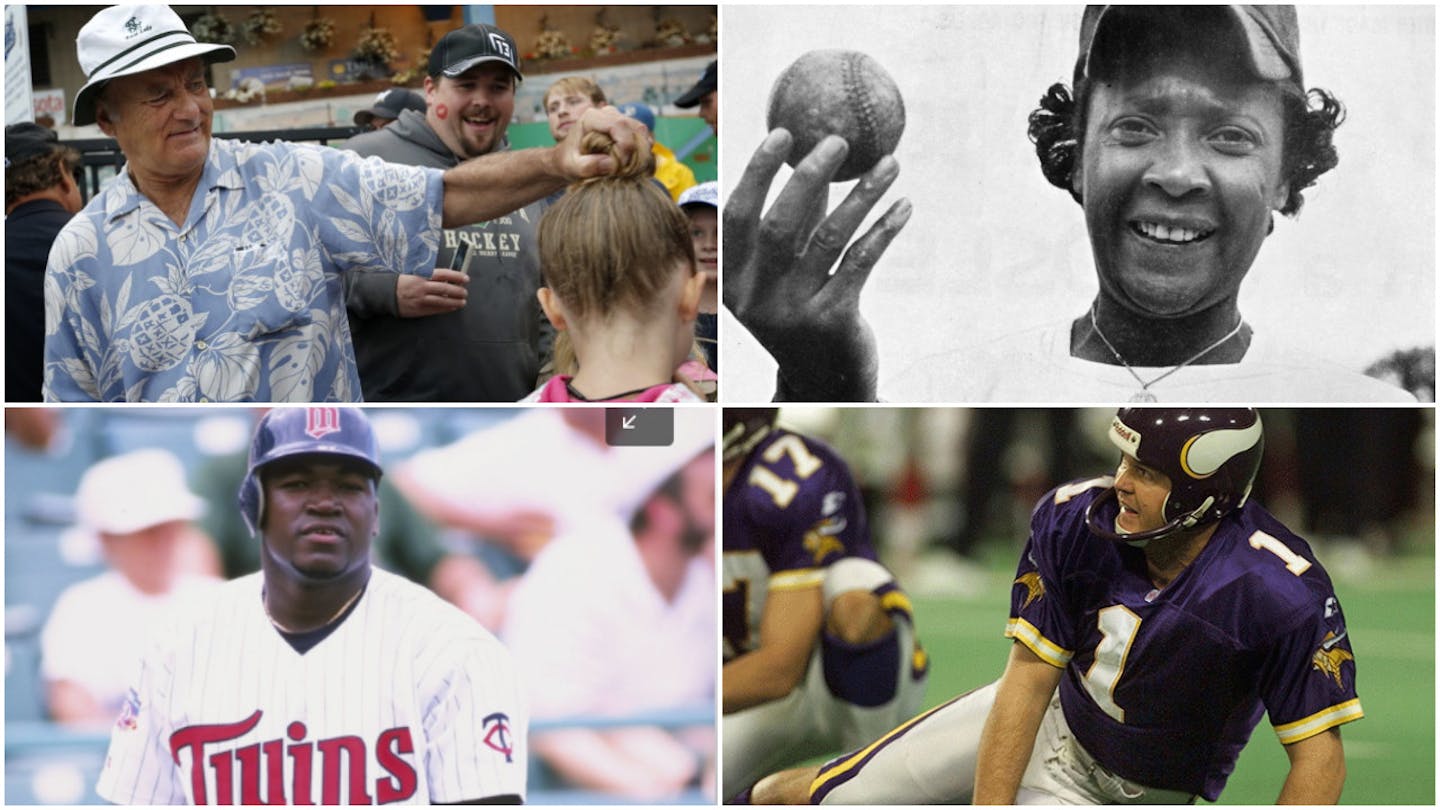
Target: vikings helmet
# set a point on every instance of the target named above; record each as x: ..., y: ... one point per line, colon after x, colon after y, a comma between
x: 745, y: 428
x: 1211, y: 456
x: 285, y: 432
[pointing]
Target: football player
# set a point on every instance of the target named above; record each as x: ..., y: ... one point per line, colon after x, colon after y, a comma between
x: 1156, y: 616
x: 820, y: 646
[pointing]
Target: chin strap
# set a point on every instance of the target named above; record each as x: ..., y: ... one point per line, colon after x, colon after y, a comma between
x: 1179, y: 524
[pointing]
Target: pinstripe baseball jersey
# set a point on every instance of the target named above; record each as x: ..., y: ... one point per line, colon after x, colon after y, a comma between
x: 408, y: 700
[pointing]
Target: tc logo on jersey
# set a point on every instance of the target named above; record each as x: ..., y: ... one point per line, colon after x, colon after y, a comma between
x: 497, y: 734
x: 320, y: 422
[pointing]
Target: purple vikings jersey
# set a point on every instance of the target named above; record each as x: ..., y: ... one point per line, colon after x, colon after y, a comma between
x: 1165, y: 686
x: 791, y: 510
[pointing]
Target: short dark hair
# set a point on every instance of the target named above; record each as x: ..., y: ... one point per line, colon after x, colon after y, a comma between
x: 39, y: 173
x: 1057, y: 128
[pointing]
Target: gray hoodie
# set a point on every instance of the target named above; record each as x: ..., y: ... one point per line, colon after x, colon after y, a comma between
x: 491, y: 350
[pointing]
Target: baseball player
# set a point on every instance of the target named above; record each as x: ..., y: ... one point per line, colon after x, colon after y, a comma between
x: 820, y: 646
x: 319, y: 679
x: 1178, y: 198
x: 1156, y: 616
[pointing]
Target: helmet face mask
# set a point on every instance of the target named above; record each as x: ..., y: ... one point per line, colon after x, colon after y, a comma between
x: 289, y: 432
x: 1211, y: 456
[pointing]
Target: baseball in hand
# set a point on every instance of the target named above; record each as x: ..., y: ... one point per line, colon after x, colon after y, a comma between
x: 838, y: 92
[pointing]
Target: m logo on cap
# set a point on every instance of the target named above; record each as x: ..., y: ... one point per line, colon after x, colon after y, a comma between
x: 320, y: 422
x: 498, y: 42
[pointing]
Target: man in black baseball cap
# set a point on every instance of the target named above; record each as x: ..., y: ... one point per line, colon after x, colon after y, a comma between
x: 475, y: 44
x: 41, y: 194
x: 493, y: 342
x: 706, y: 94
x: 387, y: 106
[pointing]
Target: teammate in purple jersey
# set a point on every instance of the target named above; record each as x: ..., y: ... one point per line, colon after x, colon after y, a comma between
x: 1156, y: 616
x: 820, y: 646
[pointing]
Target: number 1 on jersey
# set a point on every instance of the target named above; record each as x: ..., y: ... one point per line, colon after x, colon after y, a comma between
x: 1118, y: 627
x: 1294, y: 563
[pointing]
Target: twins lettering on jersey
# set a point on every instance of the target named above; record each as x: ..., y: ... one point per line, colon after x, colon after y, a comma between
x: 341, y: 762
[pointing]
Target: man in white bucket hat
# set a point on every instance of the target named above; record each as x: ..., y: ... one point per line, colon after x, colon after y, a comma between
x: 209, y: 270
x: 140, y: 511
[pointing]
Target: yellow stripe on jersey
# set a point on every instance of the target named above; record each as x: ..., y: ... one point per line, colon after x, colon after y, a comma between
x: 840, y: 768
x: 797, y: 579
x: 1320, y: 721
x: 1048, y: 651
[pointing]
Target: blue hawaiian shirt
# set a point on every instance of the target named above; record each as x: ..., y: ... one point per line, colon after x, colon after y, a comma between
x: 242, y: 302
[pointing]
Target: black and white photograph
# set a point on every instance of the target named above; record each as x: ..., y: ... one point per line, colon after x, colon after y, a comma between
x: 1070, y: 204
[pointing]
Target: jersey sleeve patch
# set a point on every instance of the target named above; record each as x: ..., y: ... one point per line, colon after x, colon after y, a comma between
x: 822, y: 539
x: 1034, y: 587
x: 130, y: 712
x: 1330, y: 657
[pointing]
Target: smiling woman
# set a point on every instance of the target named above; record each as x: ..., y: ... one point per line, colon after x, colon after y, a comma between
x: 998, y: 292
x: 1179, y: 174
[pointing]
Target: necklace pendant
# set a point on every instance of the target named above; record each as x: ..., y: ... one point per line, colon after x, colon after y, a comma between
x: 1143, y: 396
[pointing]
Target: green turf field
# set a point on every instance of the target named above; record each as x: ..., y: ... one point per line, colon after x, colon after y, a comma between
x: 1390, y: 753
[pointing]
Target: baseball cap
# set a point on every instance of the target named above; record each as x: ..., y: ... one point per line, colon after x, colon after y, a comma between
x: 474, y: 44
x: 640, y: 112
x: 707, y: 193
x: 389, y: 104
x: 27, y: 140
x: 126, y: 493
x: 123, y: 40
x: 1270, y: 35
x: 644, y: 472
x: 706, y: 85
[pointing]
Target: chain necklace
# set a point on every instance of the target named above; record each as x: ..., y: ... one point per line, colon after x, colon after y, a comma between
x: 282, y: 628
x: 1144, y: 395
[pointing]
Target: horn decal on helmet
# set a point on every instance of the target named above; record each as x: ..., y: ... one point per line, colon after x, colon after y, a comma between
x: 1205, y: 453
x: 1209, y: 455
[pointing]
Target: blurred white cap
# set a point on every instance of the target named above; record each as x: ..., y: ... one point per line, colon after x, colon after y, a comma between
x: 135, y: 491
